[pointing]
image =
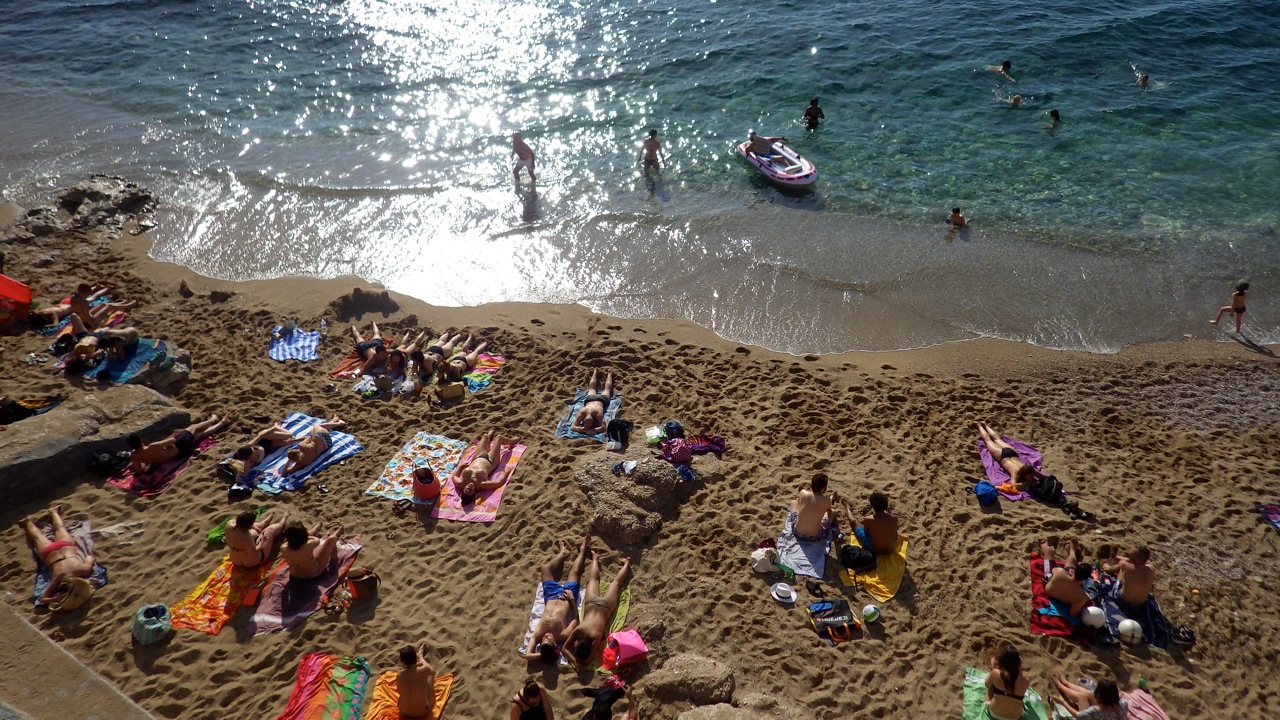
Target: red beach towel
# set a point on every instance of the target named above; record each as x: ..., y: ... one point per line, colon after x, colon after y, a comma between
x: 158, y: 478
x: 1051, y: 625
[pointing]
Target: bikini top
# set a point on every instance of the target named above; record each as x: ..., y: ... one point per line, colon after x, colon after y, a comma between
x: 530, y: 712
x: 997, y: 691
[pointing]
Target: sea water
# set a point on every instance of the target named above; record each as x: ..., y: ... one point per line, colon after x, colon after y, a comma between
x: 372, y: 137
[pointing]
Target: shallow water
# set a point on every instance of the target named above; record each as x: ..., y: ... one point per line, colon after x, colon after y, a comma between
x: 371, y: 137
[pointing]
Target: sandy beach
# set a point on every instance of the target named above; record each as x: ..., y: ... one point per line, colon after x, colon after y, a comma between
x: 1170, y: 445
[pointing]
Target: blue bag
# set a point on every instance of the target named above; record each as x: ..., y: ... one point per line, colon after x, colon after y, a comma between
x: 986, y: 493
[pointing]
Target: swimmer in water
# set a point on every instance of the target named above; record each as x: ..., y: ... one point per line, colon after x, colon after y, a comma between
x: 1143, y: 80
x: 813, y: 114
x: 1003, y: 68
x: 956, y: 220
x: 1014, y: 101
x: 1054, y: 120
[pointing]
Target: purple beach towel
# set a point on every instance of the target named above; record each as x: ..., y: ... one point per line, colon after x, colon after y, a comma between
x: 998, y: 476
x: 286, y: 602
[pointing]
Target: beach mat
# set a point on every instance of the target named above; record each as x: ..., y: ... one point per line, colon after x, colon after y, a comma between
x: 1046, y: 617
x: 617, y: 621
x: 215, y: 600
x: 82, y: 533
x: 385, y: 704
x: 328, y: 687
x: 122, y: 370
x: 975, y: 697
x: 438, y: 452
x: 266, y: 475
x: 1143, y: 706
x: 996, y: 474
x: 1103, y: 588
x: 883, y: 582
x: 579, y: 396
x: 805, y: 557
x: 298, y: 345
x: 486, y: 504
x: 482, y: 374
x: 159, y: 477
x: 286, y: 602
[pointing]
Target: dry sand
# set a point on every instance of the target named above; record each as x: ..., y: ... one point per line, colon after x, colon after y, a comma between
x: 1170, y: 445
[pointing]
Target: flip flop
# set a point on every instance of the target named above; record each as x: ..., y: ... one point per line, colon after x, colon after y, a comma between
x: 814, y: 589
x: 323, y: 488
x: 400, y: 507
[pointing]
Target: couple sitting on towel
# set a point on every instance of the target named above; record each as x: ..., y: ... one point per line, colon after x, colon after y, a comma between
x: 1007, y: 685
x: 560, y: 624
x: 812, y: 515
x: 251, y: 540
x: 1066, y: 583
x: 310, y: 446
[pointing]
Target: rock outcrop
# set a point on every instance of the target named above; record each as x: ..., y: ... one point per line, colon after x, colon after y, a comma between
x: 99, y: 201
x: 692, y: 678
x: 628, y: 509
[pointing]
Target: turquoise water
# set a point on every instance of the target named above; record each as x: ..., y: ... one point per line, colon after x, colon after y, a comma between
x: 371, y: 137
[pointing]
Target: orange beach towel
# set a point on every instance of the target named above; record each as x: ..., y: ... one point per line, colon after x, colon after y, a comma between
x: 385, y: 704
x: 349, y: 365
x: 214, y: 601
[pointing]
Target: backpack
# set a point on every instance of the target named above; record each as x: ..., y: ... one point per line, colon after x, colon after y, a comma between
x: 857, y: 559
x: 1047, y: 489
x: 108, y: 464
x: 619, y: 431
x: 624, y: 647
x: 676, y: 450
x: 673, y: 428
x: 833, y: 620
x: 986, y: 493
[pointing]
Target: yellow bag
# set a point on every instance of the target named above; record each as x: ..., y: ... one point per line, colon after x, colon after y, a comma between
x: 73, y: 593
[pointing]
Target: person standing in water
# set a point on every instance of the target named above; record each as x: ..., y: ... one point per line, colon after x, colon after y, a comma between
x: 524, y: 158
x: 813, y: 114
x: 651, y: 152
x: 1236, y: 308
x: 1054, y: 120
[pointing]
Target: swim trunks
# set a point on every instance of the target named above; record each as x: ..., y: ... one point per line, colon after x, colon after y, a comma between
x: 186, y: 444
x: 651, y: 163
x: 602, y: 399
x: 552, y: 590
x: 366, y: 345
x: 522, y: 163
x: 1007, y: 453
x: 823, y: 535
x: 1238, y: 311
x: 325, y: 438
x: 266, y: 445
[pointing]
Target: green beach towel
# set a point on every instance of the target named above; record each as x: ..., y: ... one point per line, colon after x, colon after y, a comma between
x: 975, y: 699
x: 616, y: 621
x: 218, y: 535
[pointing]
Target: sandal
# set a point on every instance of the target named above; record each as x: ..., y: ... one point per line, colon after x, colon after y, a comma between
x: 400, y: 507
x: 814, y: 589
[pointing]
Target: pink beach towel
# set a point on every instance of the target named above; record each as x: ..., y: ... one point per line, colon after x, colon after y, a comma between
x: 286, y: 602
x: 486, y: 505
x: 998, y: 476
x: 1142, y: 706
x: 158, y: 478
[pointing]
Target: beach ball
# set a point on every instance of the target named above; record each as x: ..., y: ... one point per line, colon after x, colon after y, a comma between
x: 1130, y: 632
x: 870, y: 614
x: 1093, y: 617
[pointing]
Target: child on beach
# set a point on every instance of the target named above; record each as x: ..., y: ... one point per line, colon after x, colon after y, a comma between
x: 1236, y: 307
x: 956, y: 220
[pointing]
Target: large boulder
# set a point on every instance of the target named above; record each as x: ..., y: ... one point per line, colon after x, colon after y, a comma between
x: 165, y: 379
x: 628, y: 509
x: 724, y: 711
x: 692, y: 678
x: 42, y: 452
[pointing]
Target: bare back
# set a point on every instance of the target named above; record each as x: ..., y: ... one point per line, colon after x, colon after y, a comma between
x: 417, y: 691
x: 882, y: 528
x: 810, y: 509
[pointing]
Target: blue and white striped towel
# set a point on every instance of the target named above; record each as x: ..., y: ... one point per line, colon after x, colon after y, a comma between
x: 563, y: 429
x: 297, y: 345
x: 266, y: 476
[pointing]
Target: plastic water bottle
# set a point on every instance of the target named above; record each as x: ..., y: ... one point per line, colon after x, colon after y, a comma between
x: 324, y: 327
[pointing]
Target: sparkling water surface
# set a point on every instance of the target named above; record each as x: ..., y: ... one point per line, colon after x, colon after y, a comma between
x: 371, y: 137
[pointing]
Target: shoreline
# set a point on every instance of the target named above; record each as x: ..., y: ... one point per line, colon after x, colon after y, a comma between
x: 1169, y: 443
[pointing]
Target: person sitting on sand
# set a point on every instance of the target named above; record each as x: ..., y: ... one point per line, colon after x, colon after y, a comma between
x: 307, y: 555
x: 561, y: 610
x: 1003, y: 68
x: 180, y: 446
x: 586, y: 636
x: 60, y: 555
x: 261, y: 446
x: 812, y: 513
x: 532, y: 703
x: 312, y: 445
x: 372, y: 351
x: 416, y: 683
x: 1066, y: 584
x: 1021, y: 474
x: 250, y: 540
x: 877, y: 532
x: 955, y: 219
x: 1102, y: 703
x: 590, y: 419
x: 1006, y: 685
x: 460, y: 362
x: 1136, y: 578
x: 474, y: 477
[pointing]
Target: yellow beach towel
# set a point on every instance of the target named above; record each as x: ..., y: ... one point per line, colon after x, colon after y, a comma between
x: 385, y: 704
x: 883, y: 582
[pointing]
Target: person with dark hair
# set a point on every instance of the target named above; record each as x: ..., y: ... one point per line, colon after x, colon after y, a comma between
x: 812, y: 512
x: 813, y: 114
x: 1066, y: 583
x: 475, y: 476
x: 1237, y: 307
x: 603, y: 700
x: 956, y: 220
x: 1003, y: 68
x: 532, y: 703
x: 524, y: 156
x: 250, y: 540
x: 180, y: 446
x: 60, y: 555
x: 1144, y: 80
x: 651, y: 152
x: 1055, y: 119
x: 1136, y: 578
x: 372, y: 351
x: 262, y: 445
x: 1102, y: 703
x: 460, y: 362
x: 1006, y: 685
x: 307, y: 555
x: 877, y: 532
x: 1021, y: 474
x: 312, y: 445
x: 560, y: 613
x: 586, y: 637
x: 590, y: 419
x: 416, y: 683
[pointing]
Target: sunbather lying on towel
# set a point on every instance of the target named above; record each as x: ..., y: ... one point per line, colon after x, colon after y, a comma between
x: 1136, y: 577
x: 416, y: 683
x: 1020, y: 473
x: 1066, y: 584
x: 461, y: 360
x: 877, y: 532
x: 306, y: 553
x: 180, y: 446
x: 81, y: 301
x: 425, y: 364
x: 590, y: 419
x: 60, y: 555
x: 250, y: 540
x: 586, y: 638
x: 812, y: 514
x: 262, y: 445
x: 312, y: 445
x: 1102, y: 703
x: 475, y: 476
x: 372, y: 351
x: 111, y: 343
x: 560, y: 612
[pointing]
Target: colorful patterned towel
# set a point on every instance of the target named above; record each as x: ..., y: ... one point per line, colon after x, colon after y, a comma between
x: 266, y: 475
x: 286, y: 602
x: 486, y: 367
x: 563, y: 429
x: 975, y: 698
x: 438, y: 452
x: 1046, y: 617
x: 805, y: 557
x: 385, y: 704
x: 297, y: 345
x: 219, y: 597
x: 121, y: 371
x: 998, y: 476
x: 1104, y: 589
x: 328, y: 688
x: 486, y: 505
x: 158, y: 478
x: 1270, y: 513
x: 82, y: 533
x: 883, y: 582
